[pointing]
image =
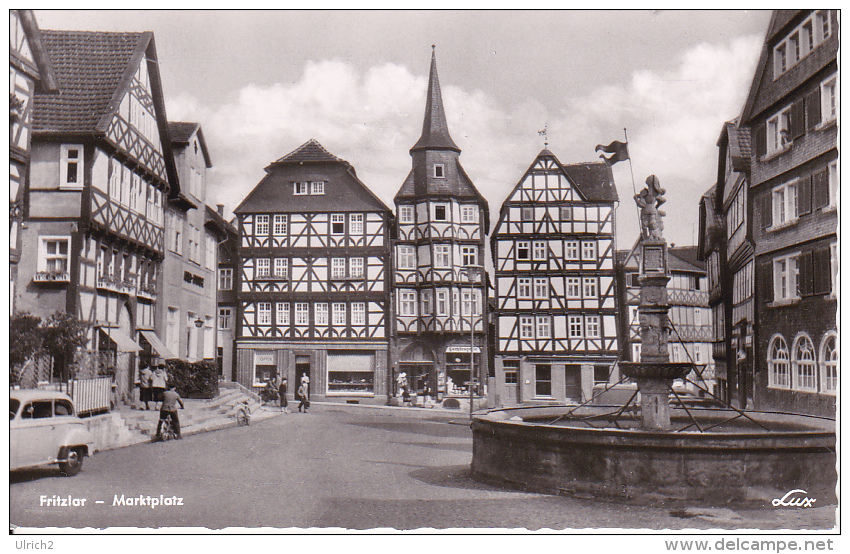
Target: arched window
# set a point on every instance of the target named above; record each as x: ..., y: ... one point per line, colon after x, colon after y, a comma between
x: 779, y: 374
x: 829, y: 363
x: 804, y: 364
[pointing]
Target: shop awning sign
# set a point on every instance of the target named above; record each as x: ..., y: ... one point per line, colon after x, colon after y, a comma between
x: 462, y: 350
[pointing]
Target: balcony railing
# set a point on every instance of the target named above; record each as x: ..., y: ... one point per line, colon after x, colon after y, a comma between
x: 147, y: 291
x: 52, y: 277
x: 116, y: 285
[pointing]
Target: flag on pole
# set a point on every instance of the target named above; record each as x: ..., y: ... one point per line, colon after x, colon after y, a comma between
x: 619, y: 151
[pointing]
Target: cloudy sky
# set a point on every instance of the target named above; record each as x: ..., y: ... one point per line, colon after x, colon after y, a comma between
x: 262, y: 83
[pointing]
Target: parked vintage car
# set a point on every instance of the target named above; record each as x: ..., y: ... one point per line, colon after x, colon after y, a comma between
x: 44, y: 429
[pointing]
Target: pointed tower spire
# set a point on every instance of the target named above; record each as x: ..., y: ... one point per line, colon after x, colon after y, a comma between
x: 435, y: 130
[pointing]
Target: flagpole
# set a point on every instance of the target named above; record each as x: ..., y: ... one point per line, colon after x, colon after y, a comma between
x: 634, y: 188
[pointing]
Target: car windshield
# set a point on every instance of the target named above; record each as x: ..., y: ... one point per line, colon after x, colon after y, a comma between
x: 14, y: 403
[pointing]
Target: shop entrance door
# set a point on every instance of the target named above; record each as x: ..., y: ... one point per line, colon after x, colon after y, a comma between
x: 572, y: 381
x: 302, y: 368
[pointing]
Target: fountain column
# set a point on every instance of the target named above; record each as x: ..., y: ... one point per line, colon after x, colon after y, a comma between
x: 654, y: 334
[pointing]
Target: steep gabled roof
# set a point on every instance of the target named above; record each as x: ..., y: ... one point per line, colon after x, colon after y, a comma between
x: 435, y: 128
x: 344, y: 192
x: 182, y: 131
x: 91, y: 67
x: 684, y: 258
x: 95, y: 71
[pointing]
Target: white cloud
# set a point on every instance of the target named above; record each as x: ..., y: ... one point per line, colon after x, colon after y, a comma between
x: 373, y: 118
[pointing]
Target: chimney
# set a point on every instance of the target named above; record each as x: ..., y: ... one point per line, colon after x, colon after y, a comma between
x: 220, y: 209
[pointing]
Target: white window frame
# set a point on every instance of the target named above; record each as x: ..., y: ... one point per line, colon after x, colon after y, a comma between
x: 406, y: 256
x: 337, y: 268
x: 337, y: 219
x: 281, y: 225
x: 339, y: 315
x: 778, y: 367
x: 281, y: 267
x: 469, y: 213
x: 541, y: 288
x: 302, y: 313
x: 539, y: 251
x: 407, y: 303
x: 358, y: 313
x: 261, y: 225
x: 804, y: 364
x: 355, y: 224
x: 524, y: 245
x: 225, y: 278
x: 469, y: 255
x: 590, y: 287
x: 264, y: 313
x: 300, y: 188
x: 442, y: 256
x: 439, y: 171
x: 263, y: 267
x: 829, y: 100
x: 44, y: 258
x: 828, y: 363
x: 786, y: 277
x: 225, y: 316
x: 783, y: 201
x: 779, y: 131
x: 523, y: 288
x: 571, y: 250
x: 65, y: 165
x: 589, y: 252
x: 406, y: 214
x: 442, y: 303
x: 355, y: 270
x: 575, y: 326
x: 591, y: 327
x: 803, y: 40
x: 320, y: 313
x: 543, y: 326
x: 526, y: 327
x: 317, y: 188
x: 573, y: 287
x: 282, y: 314
x: 425, y: 301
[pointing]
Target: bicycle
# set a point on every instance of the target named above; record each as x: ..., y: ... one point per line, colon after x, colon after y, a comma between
x: 243, y: 414
x: 167, y: 432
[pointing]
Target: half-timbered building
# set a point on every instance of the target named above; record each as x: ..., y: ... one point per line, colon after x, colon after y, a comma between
x: 313, y: 279
x: 792, y: 114
x: 29, y: 68
x: 553, y: 251
x: 101, y: 169
x: 187, y: 288
x: 691, y: 329
x: 439, y: 282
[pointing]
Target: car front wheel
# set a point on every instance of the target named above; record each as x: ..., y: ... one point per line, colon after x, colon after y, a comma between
x: 73, y: 464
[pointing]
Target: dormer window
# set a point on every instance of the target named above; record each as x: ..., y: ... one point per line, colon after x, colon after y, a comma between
x: 317, y: 187
x: 69, y: 168
x: 439, y: 171
x: 301, y: 188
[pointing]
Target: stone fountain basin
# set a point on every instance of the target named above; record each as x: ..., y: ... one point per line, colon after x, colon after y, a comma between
x: 736, y: 463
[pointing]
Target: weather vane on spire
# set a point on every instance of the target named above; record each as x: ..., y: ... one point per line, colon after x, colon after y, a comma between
x: 543, y: 133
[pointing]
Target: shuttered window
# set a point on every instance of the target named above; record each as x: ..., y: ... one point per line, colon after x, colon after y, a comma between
x: 804, y: 264
x: 765, y: 281
x: 804, y: 195
x: 766, y: 209
x: 813, y: 109
x: 820, y: 189
x: 798, y: 119
x: 822, y: 279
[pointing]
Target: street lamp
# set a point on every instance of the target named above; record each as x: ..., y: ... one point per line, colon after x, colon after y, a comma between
x: 471, y: 271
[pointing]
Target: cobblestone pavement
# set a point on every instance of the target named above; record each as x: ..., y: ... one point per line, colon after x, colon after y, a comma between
x: 337, y: 467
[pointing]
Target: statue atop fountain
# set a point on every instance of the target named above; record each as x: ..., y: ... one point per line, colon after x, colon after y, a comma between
x: 654, y: 373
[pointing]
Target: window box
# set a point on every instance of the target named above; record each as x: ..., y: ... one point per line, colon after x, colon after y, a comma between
x: 52, y: 277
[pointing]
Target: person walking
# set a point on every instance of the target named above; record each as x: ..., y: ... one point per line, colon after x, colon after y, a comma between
x: 304, y: 394
x: 159, y: 380
x: 281, y: 391
x: 170, y: 401
x: 145, y: 394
